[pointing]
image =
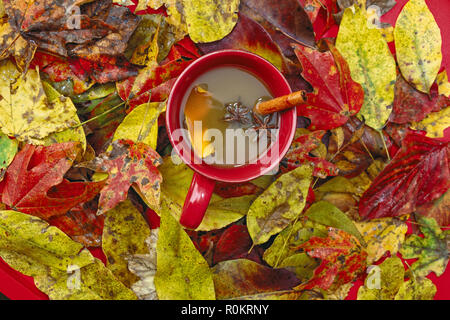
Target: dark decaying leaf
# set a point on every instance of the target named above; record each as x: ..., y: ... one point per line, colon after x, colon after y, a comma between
x: 404, y: 184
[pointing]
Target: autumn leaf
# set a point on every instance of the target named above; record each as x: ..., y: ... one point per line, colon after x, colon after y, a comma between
x: 336, y: 96
x: 8, y: 149
x: 443, y: 84
x: 127, y: 163
x: 431, y: 250
x: 279, y: 205
x: 298, y: 154
x: 34, y: 182
x: 416, y: 289
x: 435, y: 123
x: 382, y: 235
x: 418, y: 45
x: 182, y: 273
x: 56, y: 262
x: 241, y: 277
x: 438, y: 209
x: 411, y: 105
x: 342, y: 259
x: 383, y: 281
x: 419, y: 157
x: 124, y: 234
x: 26, y: 112
x: 371, y: 64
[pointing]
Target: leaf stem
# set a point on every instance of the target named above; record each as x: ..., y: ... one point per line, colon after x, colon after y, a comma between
x: 98, y: 116
x: 384, y: 144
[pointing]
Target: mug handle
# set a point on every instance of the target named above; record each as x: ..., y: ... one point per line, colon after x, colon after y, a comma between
x: 197, y: 201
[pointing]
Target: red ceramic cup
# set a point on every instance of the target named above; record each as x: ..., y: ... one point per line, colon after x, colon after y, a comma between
x: 205, y: 175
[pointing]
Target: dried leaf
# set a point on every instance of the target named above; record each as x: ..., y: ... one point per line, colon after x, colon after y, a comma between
x: 124, y: 234
x: 371, y: 64
x: 182, y: 272
x: 431, y: 250
x: 279, y: 205
x: 418, y: 45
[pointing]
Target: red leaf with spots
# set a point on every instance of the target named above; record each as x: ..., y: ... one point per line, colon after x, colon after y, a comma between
x: 419, y: 173
x: 127, y: 163
x: 336, y: 96
x: 298, y: 154
x: 34, y: 182
x: 231, y: 190
x: 412, y: 105
x: 343, y: 259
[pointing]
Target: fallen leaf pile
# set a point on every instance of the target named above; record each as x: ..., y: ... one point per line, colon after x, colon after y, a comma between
x: 85, y: 160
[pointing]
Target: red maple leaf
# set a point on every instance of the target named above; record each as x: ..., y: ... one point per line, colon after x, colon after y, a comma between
x: 336, y: 96
x: 419, y: 173
x: 34, y: 182
x: 127, y: 163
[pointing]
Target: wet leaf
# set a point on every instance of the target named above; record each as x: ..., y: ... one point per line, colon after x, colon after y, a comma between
x: 382, y: 235
x: 26, y: 112
x: 342, y: 259
x: 431, y: 250
x: 279, y: 205
x: 241, y: 277
x: 182, y: 273
x: 59, y: 266
x: 127, y: 163
x: 419, y: 157
x: 34, y: 182
x: 418, y: 45
x: 417, y: 289
x: 435, y: 123
x: 383, y: 281
x: 371, y: 64
x: 336, y: 96
x: 124, y: 234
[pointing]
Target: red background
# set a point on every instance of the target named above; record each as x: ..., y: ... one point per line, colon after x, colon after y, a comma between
x: 17, y: 286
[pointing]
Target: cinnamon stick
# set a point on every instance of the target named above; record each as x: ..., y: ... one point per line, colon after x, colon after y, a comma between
x: 280, y: 103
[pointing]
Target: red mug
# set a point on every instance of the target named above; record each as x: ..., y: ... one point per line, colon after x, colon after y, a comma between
x: 205, y: 175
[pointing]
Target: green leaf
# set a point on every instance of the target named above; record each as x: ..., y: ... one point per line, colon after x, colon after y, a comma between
x: 8, y: 149
x: 371, y: 64
x: 416, y: 289
x: 279, y: 205
x: 182, y: 272
x: 327, y: 214
x: 431, y: 250
x: 383, y: 281
x: 418, y: 45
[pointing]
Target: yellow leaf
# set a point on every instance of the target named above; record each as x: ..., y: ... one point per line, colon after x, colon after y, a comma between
x: 443, y: 84
x: 124, y: 234
x: 25, y: 111
x: 182, y: 272
x: 141, y: 124
x: 371, y: 64
x: 61, y: 268
x: 434, y: 124
x: 418, y: 45
x: 382, y: 235
x: 416, y: 289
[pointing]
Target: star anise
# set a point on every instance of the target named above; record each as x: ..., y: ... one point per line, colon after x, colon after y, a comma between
x: 263, y: 125
x: 236, y: 112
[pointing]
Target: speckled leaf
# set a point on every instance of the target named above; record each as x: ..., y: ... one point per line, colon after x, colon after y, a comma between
x: 381, y: 236
x: 371, y: 64
x: 438, y: 209
x: 435, y: 123
x: 336, y: 96
x: 431, y: 250
x: 182, y: 272
x: 241, y: 277
x: 8, y: 149
x: 124, y: 234
x: 443, y: 84
x: 416, y: 289
x: 418, y: 45
x: 127, y: 163
x: 383, y: 281
x: 279, y: 205
x: 25, y: 111
x: 141, y: 124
